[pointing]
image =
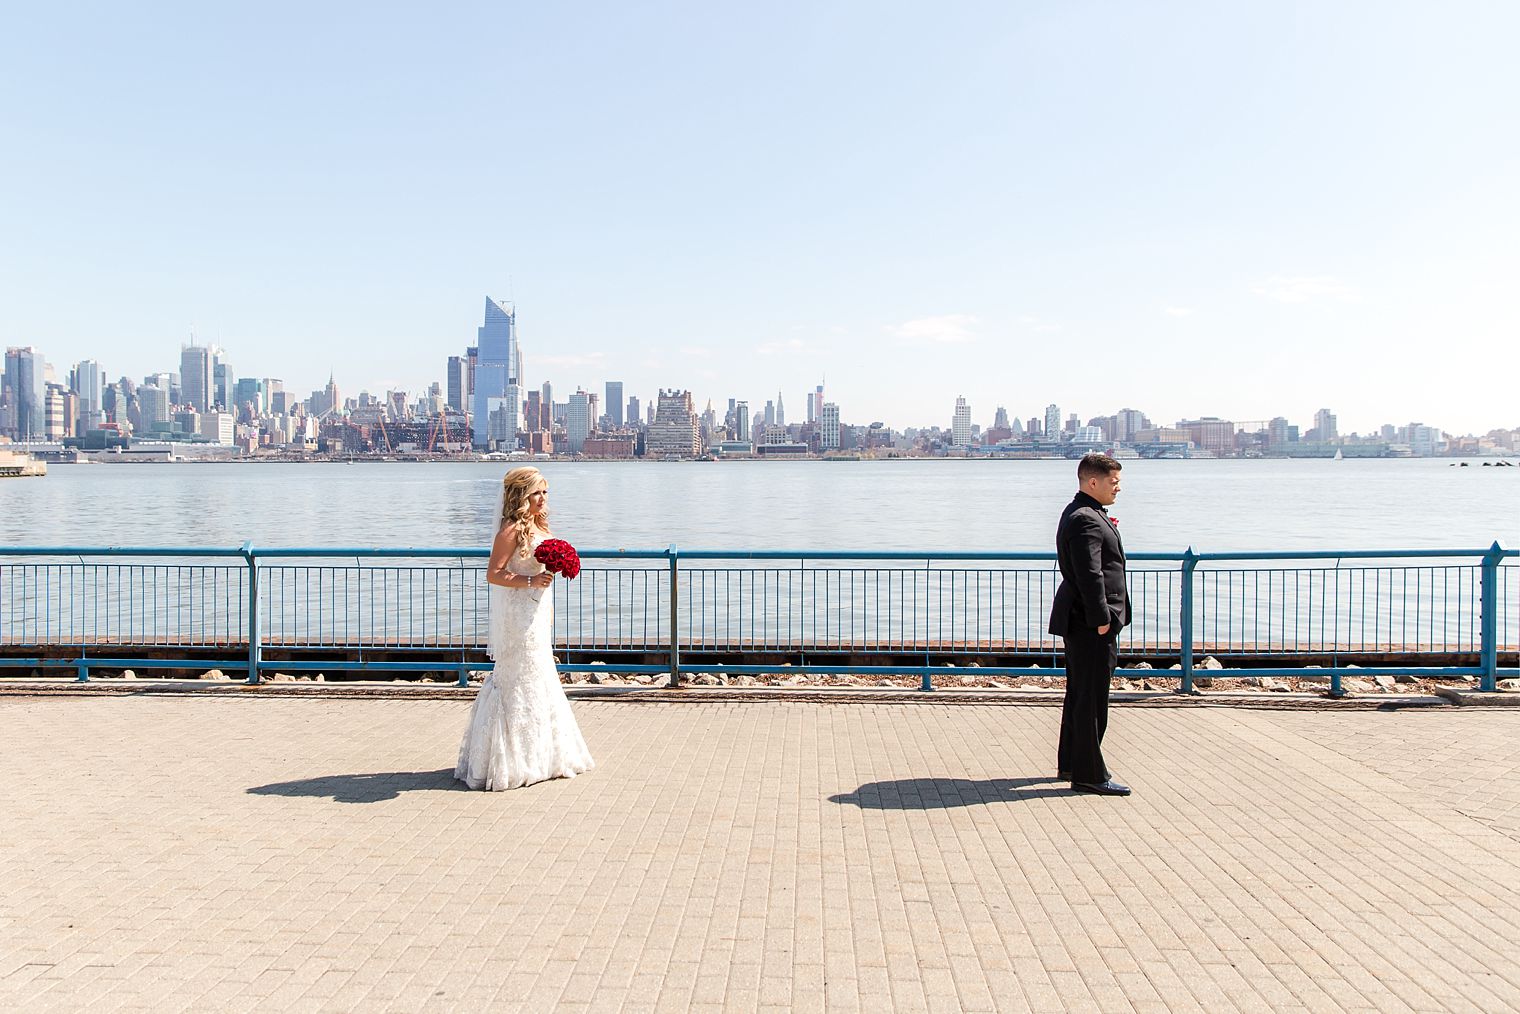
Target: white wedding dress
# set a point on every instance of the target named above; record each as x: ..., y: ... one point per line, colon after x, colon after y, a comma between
x: 521, y: 728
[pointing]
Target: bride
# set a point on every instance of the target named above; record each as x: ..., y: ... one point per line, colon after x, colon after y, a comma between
x: 521, y: 729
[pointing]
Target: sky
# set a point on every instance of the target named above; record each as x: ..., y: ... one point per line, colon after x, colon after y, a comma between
x: 1242, y: 210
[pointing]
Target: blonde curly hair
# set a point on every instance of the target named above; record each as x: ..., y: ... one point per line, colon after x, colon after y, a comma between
x: 517, y: 486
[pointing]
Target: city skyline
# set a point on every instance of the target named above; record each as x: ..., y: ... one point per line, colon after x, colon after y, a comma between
x: 207, y: 384
x: 917, y: 207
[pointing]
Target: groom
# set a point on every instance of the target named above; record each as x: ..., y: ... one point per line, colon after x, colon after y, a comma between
x: 1091, y: 606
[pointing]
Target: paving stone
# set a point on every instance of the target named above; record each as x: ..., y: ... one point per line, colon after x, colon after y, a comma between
x: 207, y: 853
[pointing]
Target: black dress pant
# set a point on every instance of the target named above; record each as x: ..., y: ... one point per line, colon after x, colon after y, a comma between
x: 1090, y: 660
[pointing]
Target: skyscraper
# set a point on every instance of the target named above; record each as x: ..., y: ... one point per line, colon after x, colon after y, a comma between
x: 250, y: 393
x: 89, y: 383
x: 223, y: 382
x: 815, y: 404
x: 153, y: 406
x: 741, y: 421
x: 578, y: 421
x: 533, y: 412
x: 456, y: 378
x: 25, y: 394
x: 674, y: 432
x: 195, y: 377
x: 60, y: 410
x: 960, y: 424
x: 828, y: 418
x: 498, y: 392
x: 1324, y: 421
x: 1052, y: 422
x: 633, y: 411
x: 780, y: 411
x: 615, y: 403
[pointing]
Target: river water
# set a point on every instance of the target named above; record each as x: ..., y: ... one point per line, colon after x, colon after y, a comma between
x: 859, y: 505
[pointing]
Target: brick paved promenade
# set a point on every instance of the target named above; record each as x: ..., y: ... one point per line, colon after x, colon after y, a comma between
x: 196, y: 853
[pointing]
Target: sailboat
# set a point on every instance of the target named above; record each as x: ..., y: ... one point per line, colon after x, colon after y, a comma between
x: 1338, y: 455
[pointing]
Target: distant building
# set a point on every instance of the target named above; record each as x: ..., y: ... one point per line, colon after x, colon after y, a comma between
x: 195, y: 377
x: 498, y: 391
x: 216, y: 427
x: 1424, y: 441
x: 456, y: 381
x: 250, y: 392
x: 829, y: 426
x: 1088, y: 435
x: 1128, y: 422
x: 223, y: 382
x: 960, y: 424
x: 675, y: 431
x: 23, y: 392
x: 536, y: 414
x: 1324, y: 422
x: 61, y: 409
x: 615, y: 403
x: 89, y: 384
x: 578, y: 422
x: 609, y: 445
x: 741, y: 433
x: 1210, y: 433
x: 634, y: 417
x: 153, y: 408
x: 1052, y: 422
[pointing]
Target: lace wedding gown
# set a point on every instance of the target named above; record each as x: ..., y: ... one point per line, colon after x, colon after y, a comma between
x: 521, y: 729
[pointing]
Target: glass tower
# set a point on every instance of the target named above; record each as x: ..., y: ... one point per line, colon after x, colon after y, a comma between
x: 497, y: 402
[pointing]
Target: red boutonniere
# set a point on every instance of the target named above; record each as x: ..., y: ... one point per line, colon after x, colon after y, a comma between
x: 1113, y: 521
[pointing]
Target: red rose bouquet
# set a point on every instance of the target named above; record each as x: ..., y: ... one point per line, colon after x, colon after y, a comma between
x: 558, y: 557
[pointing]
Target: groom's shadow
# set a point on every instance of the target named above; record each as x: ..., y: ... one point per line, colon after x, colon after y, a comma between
x: 948, y: 793
x: 370, y: 788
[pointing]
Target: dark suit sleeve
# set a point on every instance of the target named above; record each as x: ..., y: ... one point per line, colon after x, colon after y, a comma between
x: 1085, y: 549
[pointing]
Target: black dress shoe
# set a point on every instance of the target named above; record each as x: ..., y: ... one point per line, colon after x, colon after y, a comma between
x: 1108, y: 788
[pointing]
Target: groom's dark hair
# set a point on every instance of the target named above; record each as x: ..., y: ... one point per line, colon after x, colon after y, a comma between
x: 1095, y: 464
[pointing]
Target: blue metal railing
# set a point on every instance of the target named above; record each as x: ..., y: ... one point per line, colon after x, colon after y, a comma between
x: 340, y: 608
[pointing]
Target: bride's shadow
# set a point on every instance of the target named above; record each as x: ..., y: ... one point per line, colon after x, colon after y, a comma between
x: 949, y: 793
x: 370, y: 788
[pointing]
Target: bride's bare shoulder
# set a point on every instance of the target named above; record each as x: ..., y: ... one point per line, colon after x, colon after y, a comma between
x: 506, y: 539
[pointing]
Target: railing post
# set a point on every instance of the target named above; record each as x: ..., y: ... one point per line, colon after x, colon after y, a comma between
x: 1488, y: 681
x: 255, y: 646
x: 675, y: 637
x: 1189, y: 564
x: 84, y: 672
x: 927, y: 683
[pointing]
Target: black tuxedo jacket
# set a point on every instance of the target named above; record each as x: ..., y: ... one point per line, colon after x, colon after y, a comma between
x: 1093, y: 590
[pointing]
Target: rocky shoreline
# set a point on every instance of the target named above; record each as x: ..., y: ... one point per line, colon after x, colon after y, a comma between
x: 1139, y: 678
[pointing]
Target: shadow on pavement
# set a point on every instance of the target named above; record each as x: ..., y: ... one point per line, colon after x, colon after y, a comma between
x: 945, y: 793
x: 371, y: 788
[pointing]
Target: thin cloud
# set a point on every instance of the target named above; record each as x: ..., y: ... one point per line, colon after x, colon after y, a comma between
x: 1302, y: 288
x: 1178, y: 311
x: 790, y: 346
x: 1037, y: 325
x: 946, y: 329
x: 586, y: 359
